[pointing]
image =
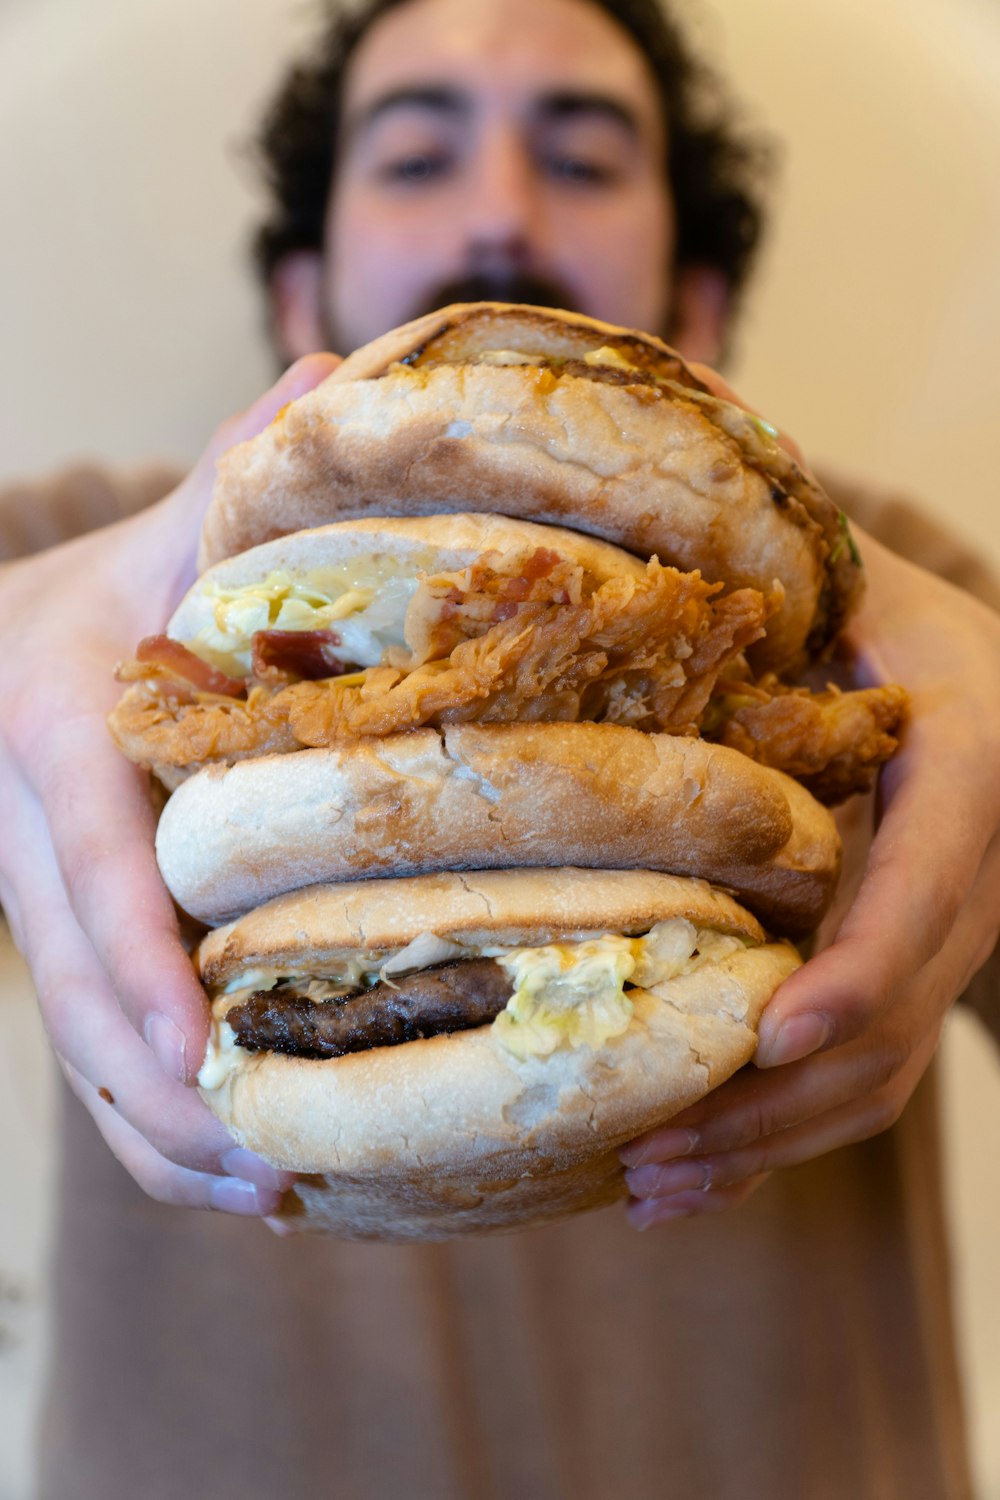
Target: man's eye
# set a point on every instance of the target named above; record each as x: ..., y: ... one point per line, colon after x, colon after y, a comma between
x: 579, y: 169
x: 416, y: 166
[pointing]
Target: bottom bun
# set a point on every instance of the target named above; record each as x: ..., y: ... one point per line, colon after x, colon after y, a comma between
x: 454, y: 1134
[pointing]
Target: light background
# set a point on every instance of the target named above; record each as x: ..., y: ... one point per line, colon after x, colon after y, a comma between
x: 129, y: 326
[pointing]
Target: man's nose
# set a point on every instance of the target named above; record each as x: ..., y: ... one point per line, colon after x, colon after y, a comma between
x: 502, y: 212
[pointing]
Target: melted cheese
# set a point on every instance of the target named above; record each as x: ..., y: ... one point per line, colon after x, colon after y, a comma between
x: 610, y: 358
x: 572, y: 994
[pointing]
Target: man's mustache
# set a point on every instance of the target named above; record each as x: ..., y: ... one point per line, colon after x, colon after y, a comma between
x: 499, y: 286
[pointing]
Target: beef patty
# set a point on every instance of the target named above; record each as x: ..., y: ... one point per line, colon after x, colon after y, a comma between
x: 452, y: 997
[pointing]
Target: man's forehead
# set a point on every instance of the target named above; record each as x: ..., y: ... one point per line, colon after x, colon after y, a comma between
x: 514, y: 51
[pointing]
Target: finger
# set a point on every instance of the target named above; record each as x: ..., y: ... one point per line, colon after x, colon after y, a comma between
x: 907, y: 910
x: 102, y: 838
x: 162, y: 1179
x: 883, y: 1065
x: 752, y: 1107
x: 644, y: 1213
x: 857, y: 1120
x: 126, y: 1078
x: 91, y: 1036
x: 753, y: 1139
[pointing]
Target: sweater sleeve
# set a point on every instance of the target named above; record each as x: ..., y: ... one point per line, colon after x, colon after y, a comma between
x: 40, y: 513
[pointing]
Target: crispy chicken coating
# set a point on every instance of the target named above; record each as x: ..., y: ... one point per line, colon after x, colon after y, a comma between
x: 520, y: 638
x: 490, y: 646
x: 833, y: 742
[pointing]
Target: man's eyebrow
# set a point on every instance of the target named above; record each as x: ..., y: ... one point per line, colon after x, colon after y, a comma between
x: 565, y: 104
x: 436, y: 97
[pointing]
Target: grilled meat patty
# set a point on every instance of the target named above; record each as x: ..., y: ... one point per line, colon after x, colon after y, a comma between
x: 452, y: 997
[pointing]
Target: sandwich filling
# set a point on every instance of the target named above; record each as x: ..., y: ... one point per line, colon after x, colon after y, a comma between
x: 515, y: 636
x: 382, y: 646
x: 573, y: 992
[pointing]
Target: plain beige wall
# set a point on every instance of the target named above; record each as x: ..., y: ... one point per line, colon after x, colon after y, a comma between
x: 129, y: 325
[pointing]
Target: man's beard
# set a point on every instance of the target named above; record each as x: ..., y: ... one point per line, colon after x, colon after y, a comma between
x: 498, y: 286
x: 482, y: 286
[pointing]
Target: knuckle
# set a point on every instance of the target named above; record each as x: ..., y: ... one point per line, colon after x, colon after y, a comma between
x: 883, y: 1063
x: 941, y: 920
x: 732, y: 1171
x: 160, y: 1179
x: 159, y: 1187
x: 881, y: 1112
x: 755, y: 1123
x: 81, y: 867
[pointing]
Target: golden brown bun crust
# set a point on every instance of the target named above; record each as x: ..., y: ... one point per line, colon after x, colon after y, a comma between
x: 486, y: 796
x: 625, y: 462
x: 452, y: 1135
x: 321, y: 922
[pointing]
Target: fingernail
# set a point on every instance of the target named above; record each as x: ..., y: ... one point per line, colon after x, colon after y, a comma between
x: 797, y: 1038
x: 676, y: 1177
x: 246, y: 1164
x: 167, y: 1043
x: 232, y: 1195
x: 663, y: 1146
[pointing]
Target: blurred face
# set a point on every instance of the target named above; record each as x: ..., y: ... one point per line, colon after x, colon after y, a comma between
x: 510, y: 149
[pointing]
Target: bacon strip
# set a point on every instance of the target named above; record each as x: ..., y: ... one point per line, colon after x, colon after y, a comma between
x: 177, y: 661
x: 302, y: 653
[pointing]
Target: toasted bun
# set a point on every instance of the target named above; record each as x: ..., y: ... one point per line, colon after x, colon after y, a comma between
x: 615, y: 454
x: 453, y: 1134
x: 489, y: 796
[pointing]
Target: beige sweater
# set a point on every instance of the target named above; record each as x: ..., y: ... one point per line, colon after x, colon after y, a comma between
x: 800, y: 1348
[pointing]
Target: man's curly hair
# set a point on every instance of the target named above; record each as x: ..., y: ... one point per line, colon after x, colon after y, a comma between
x: 718, y: 173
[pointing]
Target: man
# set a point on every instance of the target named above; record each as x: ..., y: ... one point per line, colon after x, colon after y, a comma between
x: 797, y: 1348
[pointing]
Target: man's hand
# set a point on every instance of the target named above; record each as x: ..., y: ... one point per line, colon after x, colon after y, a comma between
x: 846, y: 1039
x: 78, y: 875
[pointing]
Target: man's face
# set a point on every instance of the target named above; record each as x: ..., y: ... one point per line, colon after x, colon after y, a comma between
x: 497, y: 148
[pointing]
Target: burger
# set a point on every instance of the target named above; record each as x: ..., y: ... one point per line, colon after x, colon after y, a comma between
x: 446, y: 1054
x: 492, y: 811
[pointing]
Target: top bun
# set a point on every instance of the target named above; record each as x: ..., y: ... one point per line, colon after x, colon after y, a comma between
x: 561, y: 419
x: 530, y: 907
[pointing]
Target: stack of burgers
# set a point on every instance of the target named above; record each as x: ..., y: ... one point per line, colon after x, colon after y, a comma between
x: 490, y: 765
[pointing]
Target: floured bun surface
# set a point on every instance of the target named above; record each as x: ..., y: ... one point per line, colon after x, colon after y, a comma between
x: 560, y: 419
x: 629, y: 996
x: 484, y: 796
